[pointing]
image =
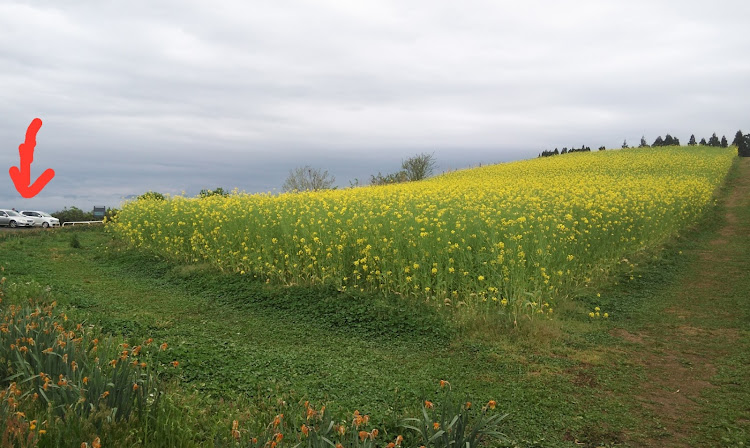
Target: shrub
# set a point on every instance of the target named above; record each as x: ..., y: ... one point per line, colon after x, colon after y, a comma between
x: 152, y: 195
x: 393, y: 178
x: 419, y: 166
x: 75, y: 243
x: 205, y: 193
x: 73, y: 214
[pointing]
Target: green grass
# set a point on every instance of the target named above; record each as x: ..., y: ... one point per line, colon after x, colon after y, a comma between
x: 360, y: 352
x: 565, y: 381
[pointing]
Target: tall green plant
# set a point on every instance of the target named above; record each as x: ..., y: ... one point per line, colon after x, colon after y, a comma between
x: 456, y: 424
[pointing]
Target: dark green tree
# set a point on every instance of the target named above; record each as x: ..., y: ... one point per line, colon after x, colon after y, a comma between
x: 714, y: 140
x: 643, y: 142
x: 743, y: 149
x: 703, y: 142
x: 625, y: 144
x: 724, y: 142
x: 737, y: 139
x: 602, y: 148
x: 658, y: 142
x: 691, y: 142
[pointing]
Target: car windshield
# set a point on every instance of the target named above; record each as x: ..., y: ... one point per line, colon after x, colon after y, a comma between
x: 12, y: 213
x: 46, y: 215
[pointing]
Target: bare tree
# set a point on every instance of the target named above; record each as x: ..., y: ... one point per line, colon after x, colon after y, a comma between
x: 419, y: 167
x: 307, y: 178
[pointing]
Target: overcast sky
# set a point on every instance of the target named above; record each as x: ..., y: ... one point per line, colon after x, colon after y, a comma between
x: 181, y: 95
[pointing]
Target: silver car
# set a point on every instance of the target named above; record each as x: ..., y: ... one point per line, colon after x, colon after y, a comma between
x: 42, y: 219
x: 12, y: 218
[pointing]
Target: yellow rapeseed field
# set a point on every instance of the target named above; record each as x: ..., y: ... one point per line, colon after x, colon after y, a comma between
x: 513, y: 235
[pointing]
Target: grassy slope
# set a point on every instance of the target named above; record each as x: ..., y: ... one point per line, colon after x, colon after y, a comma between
x: 564, y: 385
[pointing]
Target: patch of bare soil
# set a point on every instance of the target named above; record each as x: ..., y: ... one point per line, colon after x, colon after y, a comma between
x: 627, y: 336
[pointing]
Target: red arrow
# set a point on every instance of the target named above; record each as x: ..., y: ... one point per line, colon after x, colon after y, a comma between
x: 22, y: 176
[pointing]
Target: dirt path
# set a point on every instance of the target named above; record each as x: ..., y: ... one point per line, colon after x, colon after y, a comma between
x: 682, y: 355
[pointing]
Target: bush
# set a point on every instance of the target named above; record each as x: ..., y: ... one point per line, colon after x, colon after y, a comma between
x: 205, y: 193
x: 393, y: 178
x: 419, y: 167
x: 151, y: 195
x: 75, y: 243
x: 414, y: 168
x: 73, y: 214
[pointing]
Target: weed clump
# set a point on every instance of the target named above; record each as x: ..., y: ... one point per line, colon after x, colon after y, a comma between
x: 75, y: 243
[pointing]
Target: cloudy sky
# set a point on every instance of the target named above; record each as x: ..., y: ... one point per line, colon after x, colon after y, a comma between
x: 177, y: 96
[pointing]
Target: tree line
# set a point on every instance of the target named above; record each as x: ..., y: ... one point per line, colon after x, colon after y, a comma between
x: 739, y: 141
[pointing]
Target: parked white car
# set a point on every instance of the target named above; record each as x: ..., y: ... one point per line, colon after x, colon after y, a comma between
x: 42, y: 219
x: 12, y: 218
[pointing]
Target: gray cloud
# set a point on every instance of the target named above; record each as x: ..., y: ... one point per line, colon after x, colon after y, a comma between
x: 176, y: 96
